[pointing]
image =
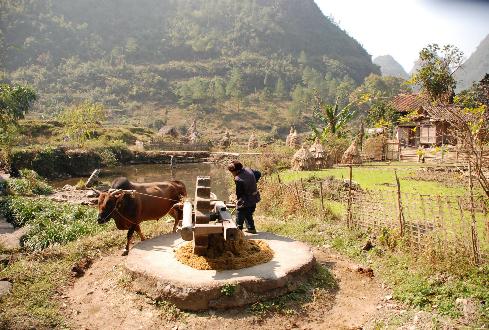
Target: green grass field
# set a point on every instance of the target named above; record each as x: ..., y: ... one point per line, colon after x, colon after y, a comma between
x: 382, y: 177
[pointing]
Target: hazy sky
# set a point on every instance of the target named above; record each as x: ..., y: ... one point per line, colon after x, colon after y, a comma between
x: 401, y: 28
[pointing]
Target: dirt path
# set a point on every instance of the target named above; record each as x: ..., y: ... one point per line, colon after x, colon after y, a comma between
x: 99, y: 300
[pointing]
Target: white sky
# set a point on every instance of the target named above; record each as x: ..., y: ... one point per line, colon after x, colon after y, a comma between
x: 403, y: 28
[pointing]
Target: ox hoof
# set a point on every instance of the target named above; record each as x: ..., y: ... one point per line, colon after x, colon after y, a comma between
x: 125, y: 252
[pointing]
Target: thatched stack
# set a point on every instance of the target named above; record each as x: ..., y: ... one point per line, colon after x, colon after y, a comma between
x: 302, y: 160
x: 226, y: 140
x: 252, y: 142
x: 192, y: 134
x: 295, y: 141
x: 319, y: 155
x: 193, y: 138
x: 374, y: 148
x: 352, y: 155
x: 168, y: 131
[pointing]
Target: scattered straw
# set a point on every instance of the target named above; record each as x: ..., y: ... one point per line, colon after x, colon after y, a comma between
x: 243, y: 254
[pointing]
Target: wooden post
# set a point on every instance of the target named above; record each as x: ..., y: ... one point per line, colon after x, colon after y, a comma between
x: 278, y: 178
x: 350, y: 201
x: 297, y: 194
x: 321, y: 193
x: 399, y: 204
x: 475, y: 247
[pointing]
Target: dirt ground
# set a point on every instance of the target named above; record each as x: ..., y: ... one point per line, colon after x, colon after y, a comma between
x: 100, y: 300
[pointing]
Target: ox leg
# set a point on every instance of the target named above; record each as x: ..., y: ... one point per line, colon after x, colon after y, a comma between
x: 130, y: 232
x: 140, y: 233
x: 176, y: 214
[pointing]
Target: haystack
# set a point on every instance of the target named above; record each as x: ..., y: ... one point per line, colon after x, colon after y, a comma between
x: 226, y: 140
x: 319, y: 155
x: 352, y: 155
x: 192, y: 134
x: 168, y: 131
x: 374, y: 148
x: 295, y: 140
x: 302, y: 160
x: 193, y: 138
x: 252, y: 142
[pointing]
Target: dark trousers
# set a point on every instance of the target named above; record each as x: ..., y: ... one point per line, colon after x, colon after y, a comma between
x: 245, y: 214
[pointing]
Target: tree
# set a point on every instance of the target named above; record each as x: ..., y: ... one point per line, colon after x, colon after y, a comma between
x: 373, y: 98
x: 469, y: 120
x: 15, y: 102
x: 280, y: 88
x: 435, y: 75
x: 330, y: 118
x: 81, y: 121
x: 234, y: 87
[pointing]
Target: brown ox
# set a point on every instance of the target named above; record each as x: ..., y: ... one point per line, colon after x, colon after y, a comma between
x: 129, y: 204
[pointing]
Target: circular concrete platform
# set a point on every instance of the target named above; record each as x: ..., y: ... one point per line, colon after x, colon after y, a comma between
x: 157, y: 273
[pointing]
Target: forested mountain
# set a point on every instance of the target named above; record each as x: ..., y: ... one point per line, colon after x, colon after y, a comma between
x: 475, y: 67
x: 390, y: 67
x: 153, y: 54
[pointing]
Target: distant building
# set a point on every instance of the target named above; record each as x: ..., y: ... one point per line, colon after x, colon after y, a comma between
x: 427, y: 124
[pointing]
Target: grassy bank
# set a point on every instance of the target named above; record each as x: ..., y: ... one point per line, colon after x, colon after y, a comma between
x: 61, y: 238
x: 430, y: 281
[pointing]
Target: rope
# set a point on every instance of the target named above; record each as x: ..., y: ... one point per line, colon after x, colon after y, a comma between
x: 154, y: 196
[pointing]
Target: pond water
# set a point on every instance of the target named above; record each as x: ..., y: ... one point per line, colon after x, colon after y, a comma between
x: 221, y: 179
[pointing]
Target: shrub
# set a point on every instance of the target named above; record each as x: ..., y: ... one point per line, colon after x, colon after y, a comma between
x: 30, y: 183
x: 50, y: 223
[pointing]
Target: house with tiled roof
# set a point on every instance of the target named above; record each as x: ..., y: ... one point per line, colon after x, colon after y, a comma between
x: 422, y: 123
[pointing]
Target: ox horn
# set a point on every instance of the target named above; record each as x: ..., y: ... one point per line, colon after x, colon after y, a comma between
x: 113, y: 192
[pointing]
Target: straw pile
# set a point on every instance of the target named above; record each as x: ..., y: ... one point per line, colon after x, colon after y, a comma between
x: 374, y: 147
x: 226, y: 140
x: 352, y: 155
x: 252, y: 142
x: 302, y: 160
x: 239, y: 254
x: 295, y: 140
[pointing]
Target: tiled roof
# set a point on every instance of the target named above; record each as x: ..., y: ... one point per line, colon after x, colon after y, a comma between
x: 449, y: 113
x: 409, y: 102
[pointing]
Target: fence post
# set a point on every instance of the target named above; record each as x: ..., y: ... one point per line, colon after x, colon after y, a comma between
x: 475, y: 247
x: 321, y: 193
x: 349, y: 216
x: 399, y: 204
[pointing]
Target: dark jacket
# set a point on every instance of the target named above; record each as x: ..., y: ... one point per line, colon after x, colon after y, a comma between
x: 246, y: 189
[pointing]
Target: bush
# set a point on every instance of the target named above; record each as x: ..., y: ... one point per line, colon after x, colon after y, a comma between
x: 30, y: 183
x: 50, y: 223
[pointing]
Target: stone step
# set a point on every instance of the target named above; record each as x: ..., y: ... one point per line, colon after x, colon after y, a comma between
x: 5, y: 227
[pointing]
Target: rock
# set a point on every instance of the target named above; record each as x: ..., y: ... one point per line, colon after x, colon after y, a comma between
x: 388, y: 297
x: 469, y: 308
x: 68, y: 187
x: 11, y: 241
x: 362, y: 270
x: 5, y: 288
x: 91, y: 194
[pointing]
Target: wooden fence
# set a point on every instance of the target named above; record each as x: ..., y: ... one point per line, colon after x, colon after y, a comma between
x: 450, y: 225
